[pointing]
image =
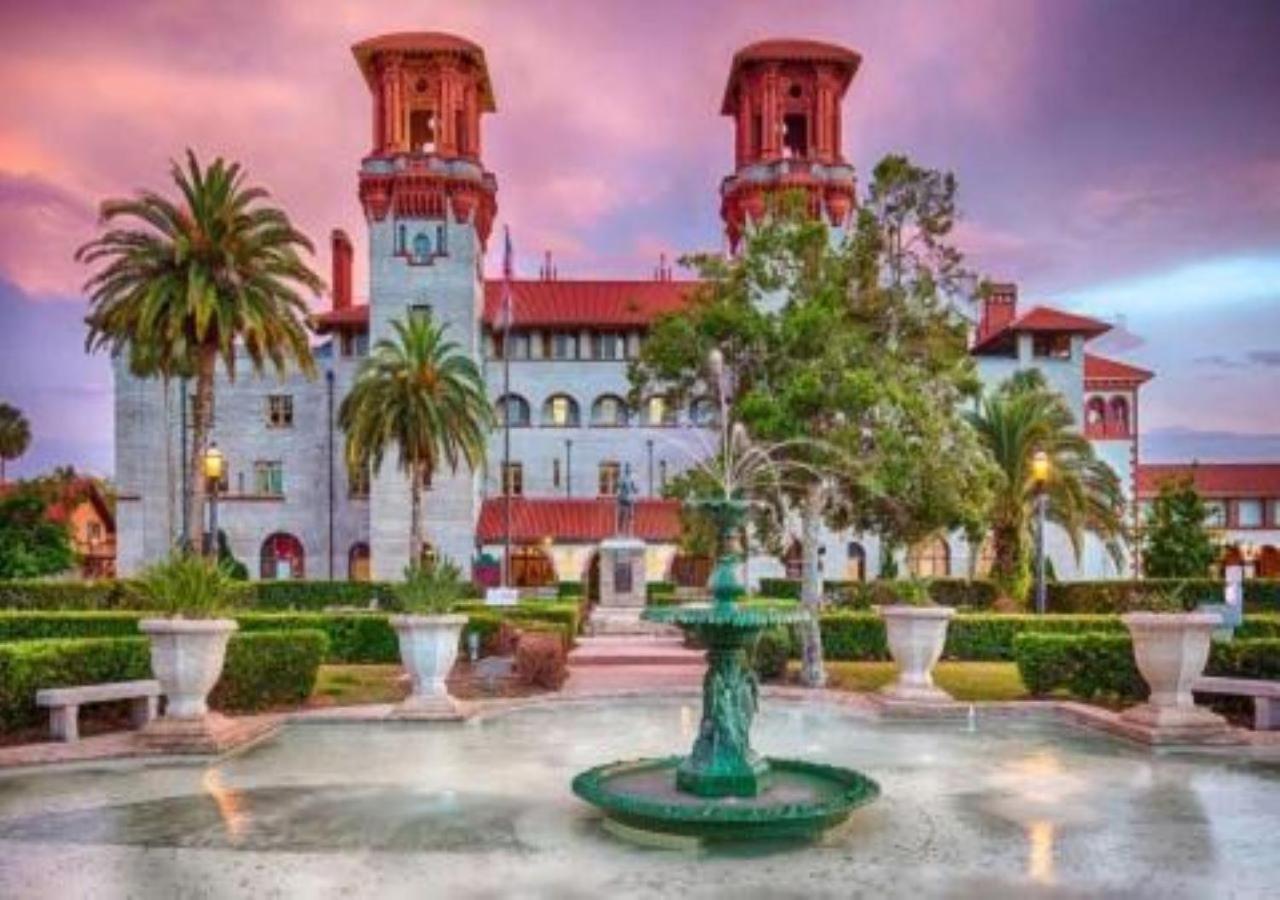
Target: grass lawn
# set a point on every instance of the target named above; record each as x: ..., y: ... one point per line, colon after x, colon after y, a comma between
x: 962, y: 680
x: 348, y: 685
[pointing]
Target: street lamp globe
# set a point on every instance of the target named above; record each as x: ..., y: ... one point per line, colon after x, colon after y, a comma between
x: 214, y: 463
x: 1040, y: 467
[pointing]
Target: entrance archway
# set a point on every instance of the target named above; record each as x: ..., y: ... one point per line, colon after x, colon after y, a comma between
x: 358, y: 562
x: 531, y: 567
x: 282, y: 558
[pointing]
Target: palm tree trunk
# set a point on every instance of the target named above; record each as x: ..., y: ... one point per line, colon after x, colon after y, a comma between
x: 415, y: 515
x: 813, y: 673
x: 202, y: 422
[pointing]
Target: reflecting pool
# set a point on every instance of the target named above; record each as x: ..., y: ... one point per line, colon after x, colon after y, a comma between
x: 994, y: 808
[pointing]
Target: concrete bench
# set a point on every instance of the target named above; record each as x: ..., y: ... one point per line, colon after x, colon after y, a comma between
x: 1265, y: 694
x: 64, y: 704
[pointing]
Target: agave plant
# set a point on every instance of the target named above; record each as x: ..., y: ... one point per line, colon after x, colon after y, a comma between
x: 188, y: 586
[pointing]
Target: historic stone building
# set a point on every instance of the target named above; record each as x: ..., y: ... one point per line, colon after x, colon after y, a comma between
x: 289, y: 508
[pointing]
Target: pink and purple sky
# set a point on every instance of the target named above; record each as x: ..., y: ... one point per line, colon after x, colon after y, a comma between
x: 1119, y: 159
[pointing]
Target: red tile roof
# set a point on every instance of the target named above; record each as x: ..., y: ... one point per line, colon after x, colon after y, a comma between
x: 1215, y: 479
x: 575, y: 521
x: 550, y: 304
x: 422, y: 42
x: 1099, y: 368
x: 559, y: 304
x: 789, y: 49
x: 1044, y: 320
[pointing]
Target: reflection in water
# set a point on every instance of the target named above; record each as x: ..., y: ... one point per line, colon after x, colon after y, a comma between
x: 686, y: 722
x: 230, y: 804
x: 1040, y: 855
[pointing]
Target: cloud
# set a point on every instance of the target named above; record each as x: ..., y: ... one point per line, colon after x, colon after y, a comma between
x: 1268, y: 358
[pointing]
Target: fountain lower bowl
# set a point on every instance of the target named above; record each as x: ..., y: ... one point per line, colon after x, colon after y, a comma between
x: 803, y: 799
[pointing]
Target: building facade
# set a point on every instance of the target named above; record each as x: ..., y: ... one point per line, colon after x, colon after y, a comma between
x: 559, y: 375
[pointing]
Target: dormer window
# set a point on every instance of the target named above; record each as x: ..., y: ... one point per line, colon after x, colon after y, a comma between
x: 422, y: 131
x: 421, y: 247
x: 795, y: 136
x: 1051, y: 346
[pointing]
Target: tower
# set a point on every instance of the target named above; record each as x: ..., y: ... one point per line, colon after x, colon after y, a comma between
x: 784, y: 97
x: 429, y: 204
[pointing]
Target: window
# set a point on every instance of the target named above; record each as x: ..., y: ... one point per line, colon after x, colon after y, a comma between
x: 610, y: 476
x: 560, y: 411
x: 662, y: 475
x: 421, y: 247
x: 282, y: 558
x: 513, y: 410
x: 704, y: 413
x: 516, y: 341
x: 358, y: 562
x: 555, y: 472
x: 609, y: 345
x: 609, y: 411
x: 358, y: 483
x: 855, y: 566
x: 795, y: 136
x: 931, y: 558
x: 354, y: 343
x: 268, y: 478
x: 280, y: 410
x: 422, y: 131
x: 1275, y: 510
x: 659, y: 412
x: 1051, y: 346
x: 93, y: 531
x: 1249, y: 513
x: 1216, y: 513
x: 560, y: 345
x: 513, y: 479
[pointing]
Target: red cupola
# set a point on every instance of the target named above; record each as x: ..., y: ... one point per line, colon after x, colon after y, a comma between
x: 784, y: 97
x: 429, y: 90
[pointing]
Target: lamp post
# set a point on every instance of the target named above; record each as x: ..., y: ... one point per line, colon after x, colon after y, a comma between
x: 1040, y: 475
x: 214, y: 464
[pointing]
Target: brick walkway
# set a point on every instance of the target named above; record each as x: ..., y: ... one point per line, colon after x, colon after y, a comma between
x: 624, y: 664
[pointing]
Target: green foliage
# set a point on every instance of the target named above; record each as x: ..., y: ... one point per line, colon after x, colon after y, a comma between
x: 269, y: 668
x: 431, y: 589
x: 236, y: 570
x: 1023, y: 416
x: 783, y: 588
x: 913, y: 592
x: 30, y: 545
x: 262, y: 670
x: 1102, y: 665
x: 1175, y: 541
x: 187, y: 585
x: 770, y: 653
x: 423, y: 395
x: 847, y: 635
x: 1123, y: 595
x: 182, y: 283
x: 567, y: 590
x: 659, y: 589
x: 15, y: 436
x: 957, y: 592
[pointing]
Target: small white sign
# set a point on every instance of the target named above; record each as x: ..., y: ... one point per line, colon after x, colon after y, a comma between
x: 501, y: 596
x: 1235, y: 586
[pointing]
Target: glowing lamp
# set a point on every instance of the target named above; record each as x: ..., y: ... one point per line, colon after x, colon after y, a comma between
x: 1040, y: 467
x: 214, y: 463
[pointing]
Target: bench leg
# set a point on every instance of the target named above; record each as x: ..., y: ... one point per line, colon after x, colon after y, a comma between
x: 1266, y: 714
x: 64, y: 723
x: 142, y: 711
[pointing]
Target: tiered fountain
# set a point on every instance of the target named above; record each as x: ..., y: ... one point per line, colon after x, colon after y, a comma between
x: 724, y: 790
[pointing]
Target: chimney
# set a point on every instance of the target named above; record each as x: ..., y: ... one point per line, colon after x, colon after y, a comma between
x: 999, y: 308
x: 340, y: 289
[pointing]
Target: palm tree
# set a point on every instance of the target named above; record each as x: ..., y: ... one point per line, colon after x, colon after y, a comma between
x: 15, y: 435
x: 187, y: 282
x: 1022, y: 416
x: 425, y: 395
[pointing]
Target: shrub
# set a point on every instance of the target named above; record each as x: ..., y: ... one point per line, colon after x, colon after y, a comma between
x: 269, y: 668
x: 570, y: 590
x: 262, y: 670
x: 320, y: 595
x: 541, y: 661
x: 188, y: 585
x: 1246, y: 658
x: 39, y: 595
x: 353, y: 637
x: 659, y: 589
x: 770, y: 654
x: 430, y: 590
x: 963, y: 593
x: 782, y: 588
x: 1122, y: 595
x: 853, y: 636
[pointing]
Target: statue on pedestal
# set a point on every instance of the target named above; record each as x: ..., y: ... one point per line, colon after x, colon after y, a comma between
x: 627, y: 502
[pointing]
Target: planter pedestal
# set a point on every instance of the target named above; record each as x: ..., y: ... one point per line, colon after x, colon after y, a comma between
x: 187, y: 656
x: 1171, y: 650
x: 916, y: 636
x: 428, y: 650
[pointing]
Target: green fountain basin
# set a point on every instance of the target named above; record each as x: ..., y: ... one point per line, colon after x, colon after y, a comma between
x: 802, y: 800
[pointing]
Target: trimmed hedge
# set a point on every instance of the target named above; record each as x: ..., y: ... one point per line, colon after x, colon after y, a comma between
x: 659, y: 589
x: 262, y: 670
x: 959, y: 592
x: 770, y: 653
x: 1260, y: 594
x: 570, y: 590
x: 782, y: 588
x: 1102, y: 665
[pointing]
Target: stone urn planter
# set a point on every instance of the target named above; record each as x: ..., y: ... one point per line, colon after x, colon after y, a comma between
x: 1171, y: 650
x: 428, y: 650
x: 186, y: 658
x: 916, y: 636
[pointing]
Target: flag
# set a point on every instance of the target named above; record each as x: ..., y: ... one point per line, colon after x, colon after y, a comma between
x: 506, y: 316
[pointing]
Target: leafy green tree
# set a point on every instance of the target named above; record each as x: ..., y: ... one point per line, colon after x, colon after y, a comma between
x: 31, y: 546
x: 1022, y: 416
x: 15, y: 435
x: 1175, y: 540
x: 424, y: 395
x: 849, y: 358
x: 185, y: 283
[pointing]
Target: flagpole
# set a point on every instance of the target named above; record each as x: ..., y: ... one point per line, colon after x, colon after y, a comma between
x: 506, y: 412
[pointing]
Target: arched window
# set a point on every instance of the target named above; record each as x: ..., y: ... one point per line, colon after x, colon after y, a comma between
x: 659, y: 411
x: 931, y: 558
x: 560, y: 411
x: 282, y: 558
x: 1095, y: 416
x: 358, y: 562
x: 531, y: 567
x: 1118, y: 417
x: 421, y: 247
x: 512, y: 410
x: 609, y: 411
x: 855, y: 566
x: 793, y: 561
x: 704, y: 412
